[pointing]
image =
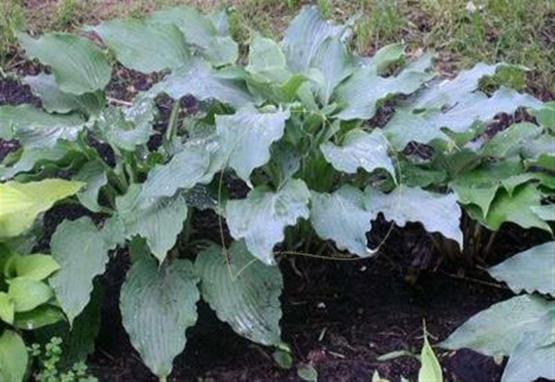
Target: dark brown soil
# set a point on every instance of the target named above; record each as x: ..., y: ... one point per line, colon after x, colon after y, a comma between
x: 337, y: 316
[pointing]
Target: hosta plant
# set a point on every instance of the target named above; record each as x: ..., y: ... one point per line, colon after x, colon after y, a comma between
x: 301, y: 124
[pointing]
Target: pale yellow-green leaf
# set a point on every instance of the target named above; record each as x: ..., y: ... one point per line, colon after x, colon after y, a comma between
x: 430, y: 370
x: 20, y: 203
x: 6, y: 308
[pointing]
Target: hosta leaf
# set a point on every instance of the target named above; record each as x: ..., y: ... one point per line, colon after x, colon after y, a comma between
x: 54, y: 100
x: 35, y: 267
x: 93, y: 175
x: 145, y: 46
x: 498, y: 329
x: 26, y: 122
x: 515, y: 208
x: 368, y: 151
x: 127, y: 131
x: 261, y: 218
x: 546, y: 212
x: 13, y: 357
x: 246, y: 136
x: 82, y: 68
x: 334, y: 64
x: 27, y: 294
x: 430, y: 371
x: 7, y: 308
x: 21, y: 203
x: 305, y: 35
x: 449, y: 92
x: 531, y: 270
x: 425, y: 126
x: 342, y: 217
x: 267, y: 60
x: 158, y: 220
x: 539, y: 152
x: 39, y: 317
x: 509, y: 141
x: 203, y: 33
x: 479, y: 186
x: 534, y: 356
x: 203, y: 83
x: 545, y: 115
x: 157, y: 306
x: 437, y: 212
x: 245, y: 293
x: 360, y: 94
x: 183, y: 171
x: 34, y: 157
x: 385, y: 57
x: 82, y: 252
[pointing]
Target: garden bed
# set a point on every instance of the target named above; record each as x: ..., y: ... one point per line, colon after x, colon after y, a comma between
x: 341, y: 316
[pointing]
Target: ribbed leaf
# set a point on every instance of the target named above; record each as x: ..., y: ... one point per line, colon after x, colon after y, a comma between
x: 498, y: 329
x: 408, y: 125
x: 203, y: 33
x: 157, y: 306
x: 305, y: 35
x: 444, y: 92
x: 334, y: 64
x: 21, y: 203
x: 515, y: 208
x: 360, y: 94
x: 509, y: 141
x: 54, y: 100
x: 534, y: 356
x: 203, y: 83
x: 342, y: 217
x: 35, y: 128
x: 82, y: 68
x: 246, y: 136
x: 437, y: 212
x: 82, y: 252
x: 128, y: 128
x: 35, y: 267
x: 13, y: 357
x: 158, y: 220
x: 244, y: 294
x: 183, y: 171
x: 267, y: 61
x: 261, y: 218
x: 27, y: 294
x: 39, y: 317
x: 360, y: 150
x: 93, y: 175
x: 480, y: 185
x: 145, y: 46
x: 532, y: 270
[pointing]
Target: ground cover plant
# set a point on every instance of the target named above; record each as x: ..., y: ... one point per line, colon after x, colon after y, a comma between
x: 286, y: 147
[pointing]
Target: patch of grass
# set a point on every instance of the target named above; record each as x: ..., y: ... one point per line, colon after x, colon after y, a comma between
x: 66, y: 14
x: 12, y: 17
x: 462, y: 32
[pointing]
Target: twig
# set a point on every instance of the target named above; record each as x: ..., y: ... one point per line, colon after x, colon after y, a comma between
x: 119, y: 101
x: 477, y: 281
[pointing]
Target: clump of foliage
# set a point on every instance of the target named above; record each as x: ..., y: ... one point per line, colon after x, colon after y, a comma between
x: 49, y: 358
x: 296, y: 123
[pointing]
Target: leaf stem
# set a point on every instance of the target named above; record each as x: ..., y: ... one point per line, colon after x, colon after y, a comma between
x: 172, y: 124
